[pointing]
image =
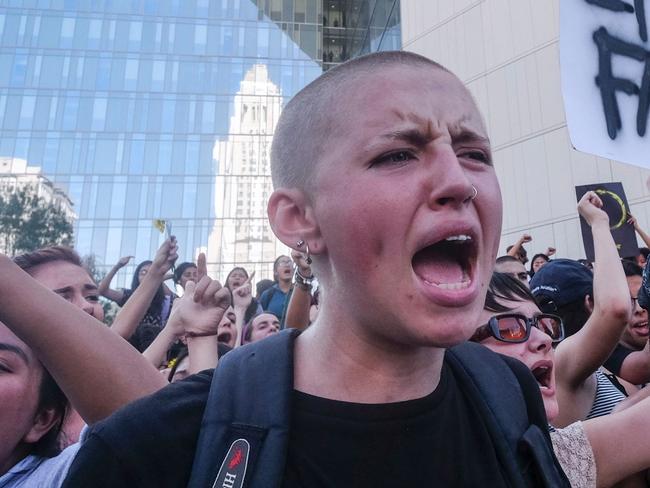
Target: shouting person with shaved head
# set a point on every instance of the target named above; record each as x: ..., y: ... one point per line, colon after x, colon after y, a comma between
x: 384, y: 178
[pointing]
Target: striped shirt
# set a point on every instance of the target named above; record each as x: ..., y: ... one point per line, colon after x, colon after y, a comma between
x: 607, y: 396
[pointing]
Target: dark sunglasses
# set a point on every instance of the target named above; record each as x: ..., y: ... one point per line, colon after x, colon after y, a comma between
x: 515, y: 327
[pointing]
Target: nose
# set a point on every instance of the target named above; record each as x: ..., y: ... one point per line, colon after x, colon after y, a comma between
x: 80, y: 301
x: 539, y: 341
x: 449, y: 184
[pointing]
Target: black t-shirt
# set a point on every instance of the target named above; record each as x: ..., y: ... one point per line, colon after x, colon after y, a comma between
x: 615, y: 360
x: 148, y: 443
x: 434, y: 441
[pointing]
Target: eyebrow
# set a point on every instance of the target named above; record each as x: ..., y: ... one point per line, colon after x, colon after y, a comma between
x: 421, y: 138
x: 67, y: 289
x: 468, y: 136
x: 15, y: 349
x: 413, y: 136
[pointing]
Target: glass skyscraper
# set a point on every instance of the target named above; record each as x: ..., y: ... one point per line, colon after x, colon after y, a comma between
x: 146, y: 109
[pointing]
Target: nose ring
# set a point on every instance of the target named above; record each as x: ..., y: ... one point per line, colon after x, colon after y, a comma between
x: 474, y: 193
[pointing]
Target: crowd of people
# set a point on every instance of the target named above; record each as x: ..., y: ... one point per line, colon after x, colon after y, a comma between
x: 382, y: 372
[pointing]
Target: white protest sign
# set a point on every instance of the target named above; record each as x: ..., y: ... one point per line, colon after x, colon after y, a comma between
x: 605, y: 64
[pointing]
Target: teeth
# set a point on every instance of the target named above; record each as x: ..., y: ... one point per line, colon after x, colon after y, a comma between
x: 459, y: 237
x: 450, y: 286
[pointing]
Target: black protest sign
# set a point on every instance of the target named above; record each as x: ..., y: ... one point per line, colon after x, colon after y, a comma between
x: 616, y: 207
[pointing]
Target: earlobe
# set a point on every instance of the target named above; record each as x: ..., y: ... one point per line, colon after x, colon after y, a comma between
x: 293, y: 220
x: 44, y: 420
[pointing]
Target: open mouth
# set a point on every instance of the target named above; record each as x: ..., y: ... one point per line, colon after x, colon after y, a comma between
x: 543, y: 375
x: 641, y: 328
x: 447, y: 264
x: 224, y: 337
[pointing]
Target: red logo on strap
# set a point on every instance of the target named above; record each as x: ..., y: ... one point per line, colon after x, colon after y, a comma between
x: 236, y: 459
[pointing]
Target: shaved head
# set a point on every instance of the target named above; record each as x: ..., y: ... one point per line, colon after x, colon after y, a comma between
x: 308, y: 121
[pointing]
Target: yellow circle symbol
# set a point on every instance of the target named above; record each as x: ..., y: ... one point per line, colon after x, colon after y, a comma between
x: 618, y: 200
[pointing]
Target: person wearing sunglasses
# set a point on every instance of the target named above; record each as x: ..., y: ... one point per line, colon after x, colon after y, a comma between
x: 595, y: 308
x: 593, y: 453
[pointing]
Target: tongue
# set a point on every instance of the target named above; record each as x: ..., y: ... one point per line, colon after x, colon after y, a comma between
x: 437, y: 267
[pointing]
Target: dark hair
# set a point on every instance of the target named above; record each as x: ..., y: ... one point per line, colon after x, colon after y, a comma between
x: 275, y: 266
x: 586, y: 263
x: 180, y: 269
x: 50, y: 396
x: 538, y: 255
x: 574, y: 315
x: 248, y: 328
x: 30, y: 260
x: 262, y: 286
x: 506, y: 259
x: 236, y: 268
x: 631, y: 269
x: 645, y: 251
x: 155, y: 307
x: 505, y: 287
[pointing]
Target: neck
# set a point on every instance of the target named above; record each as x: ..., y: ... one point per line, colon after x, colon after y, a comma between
x: 629, y: 344
x: 360, y: 368
x: 284, y: 285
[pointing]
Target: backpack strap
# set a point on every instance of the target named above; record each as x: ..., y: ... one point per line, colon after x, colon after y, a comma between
x: 267, y: 296
x: 506, y: 396
x: 245, y: 427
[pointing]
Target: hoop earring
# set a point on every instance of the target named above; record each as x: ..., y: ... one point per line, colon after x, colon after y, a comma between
x: 301, y: 243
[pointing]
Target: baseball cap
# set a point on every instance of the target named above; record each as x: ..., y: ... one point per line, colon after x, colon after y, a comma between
x: 562, y: 281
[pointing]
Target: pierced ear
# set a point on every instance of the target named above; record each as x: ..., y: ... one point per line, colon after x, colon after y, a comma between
x: 44, y: 420
x: 589, y: 304
x: 292, y: 219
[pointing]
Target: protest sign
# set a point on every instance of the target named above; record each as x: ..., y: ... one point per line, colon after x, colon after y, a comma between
x: 616, y: 207
x: 605, y: 65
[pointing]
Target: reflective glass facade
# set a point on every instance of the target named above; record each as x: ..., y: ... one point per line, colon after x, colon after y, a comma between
x: 146, y: 109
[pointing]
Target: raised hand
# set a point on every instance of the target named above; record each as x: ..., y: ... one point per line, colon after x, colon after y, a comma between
x: 165, y: 257
x: 550, y: 251
x: 201, y: 266
x: 201, y: 307
x: 243, y: 295
x: 300, y: 259
x: 123, y: 261
x: 525, y: 238
x: 590, y: 207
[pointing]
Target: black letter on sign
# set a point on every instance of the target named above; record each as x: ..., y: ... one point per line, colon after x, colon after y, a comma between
x: 639, y: 7
x: 613, y: 5
x: 608, y: 45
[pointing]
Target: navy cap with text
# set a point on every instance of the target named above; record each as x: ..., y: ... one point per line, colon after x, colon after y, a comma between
x: 562, y: 281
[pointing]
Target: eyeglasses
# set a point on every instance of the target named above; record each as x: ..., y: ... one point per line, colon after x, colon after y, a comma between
x: 634, y: 301
x: 515, y: 327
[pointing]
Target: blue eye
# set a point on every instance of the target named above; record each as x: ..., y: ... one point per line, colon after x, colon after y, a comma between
x: 394, y: 158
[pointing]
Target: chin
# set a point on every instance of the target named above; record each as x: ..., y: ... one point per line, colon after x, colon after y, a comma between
x: 552, y: 409
x: 448, y: 329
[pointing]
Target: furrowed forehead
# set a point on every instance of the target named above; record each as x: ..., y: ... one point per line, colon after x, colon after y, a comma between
x: 312, y: 115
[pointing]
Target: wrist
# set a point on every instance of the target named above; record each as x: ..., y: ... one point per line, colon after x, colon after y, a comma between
x: 301, y: 281
x: 157, y: 271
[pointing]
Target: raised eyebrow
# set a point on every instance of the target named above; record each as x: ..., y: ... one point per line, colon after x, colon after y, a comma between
x: 16, y: 350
